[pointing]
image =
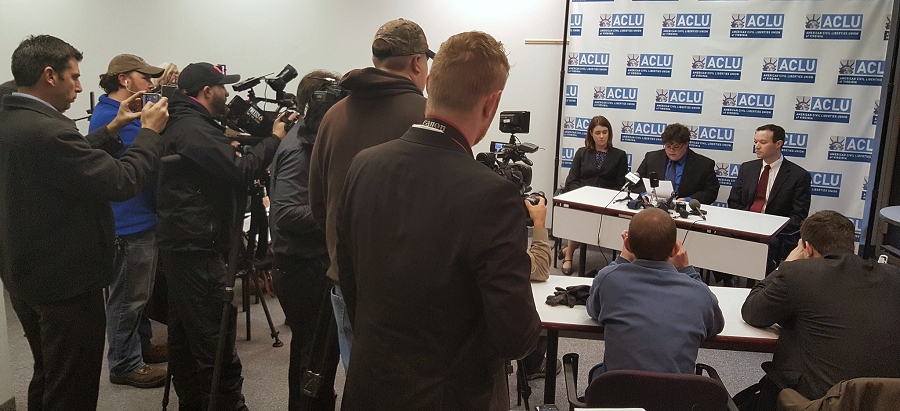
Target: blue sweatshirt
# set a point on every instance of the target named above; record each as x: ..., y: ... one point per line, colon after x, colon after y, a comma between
x: 137, y: 214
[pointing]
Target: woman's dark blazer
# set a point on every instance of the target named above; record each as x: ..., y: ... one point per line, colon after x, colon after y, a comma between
x: 584, y: 170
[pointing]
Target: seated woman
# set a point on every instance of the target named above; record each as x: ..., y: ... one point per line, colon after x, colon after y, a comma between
x: 596, y: 164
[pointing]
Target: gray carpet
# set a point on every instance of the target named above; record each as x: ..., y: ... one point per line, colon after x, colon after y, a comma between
x: 265, y: 367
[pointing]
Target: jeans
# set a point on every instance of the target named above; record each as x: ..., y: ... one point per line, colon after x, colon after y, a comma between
x: 196, y: 287
x: 127, y: 326
x: 303, y: 292
x: 66, y: 340
x: 344, y: 329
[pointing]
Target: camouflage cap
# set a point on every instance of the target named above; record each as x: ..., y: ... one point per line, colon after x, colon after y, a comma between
x: 400, y: 38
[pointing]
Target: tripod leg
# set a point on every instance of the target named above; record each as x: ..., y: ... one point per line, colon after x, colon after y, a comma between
x: 220, y: 347
x: 165, y: 400
x: 245, y: 301
x: 261, y: 298
x: 522, y: 383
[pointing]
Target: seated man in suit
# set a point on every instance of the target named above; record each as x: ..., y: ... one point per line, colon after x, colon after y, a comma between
x: 838, y: 313
x: 692, y: 175
x: 774, y: 185
x: 653, y: 306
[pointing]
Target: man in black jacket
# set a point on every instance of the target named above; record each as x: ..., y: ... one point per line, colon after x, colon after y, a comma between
x: 57, y: 237
x: 693, y: 175
x: 196, y: 200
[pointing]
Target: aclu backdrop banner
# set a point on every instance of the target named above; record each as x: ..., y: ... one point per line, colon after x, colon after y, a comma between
x: 725, y: 67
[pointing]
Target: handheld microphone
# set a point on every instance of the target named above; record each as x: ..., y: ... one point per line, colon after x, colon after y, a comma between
x: 631, y: 179
x: 695, y: 209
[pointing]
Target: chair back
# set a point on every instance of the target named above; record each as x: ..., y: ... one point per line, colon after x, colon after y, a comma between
x: 655, y: 391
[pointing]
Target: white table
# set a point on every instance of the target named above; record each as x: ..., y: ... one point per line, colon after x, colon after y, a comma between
x: 730, y: 241
x: 575, y: 323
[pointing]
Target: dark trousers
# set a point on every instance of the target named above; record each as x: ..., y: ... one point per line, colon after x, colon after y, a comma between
x: 66, y: 340
x: 196, y: 282
x: 303, y: 290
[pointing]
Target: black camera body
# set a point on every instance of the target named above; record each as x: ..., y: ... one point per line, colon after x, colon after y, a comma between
x: 247, y: 116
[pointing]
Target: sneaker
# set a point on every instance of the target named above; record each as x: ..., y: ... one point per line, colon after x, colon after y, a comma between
x: 144, y: 377
x: 543, y: 371
x: 156, y: 354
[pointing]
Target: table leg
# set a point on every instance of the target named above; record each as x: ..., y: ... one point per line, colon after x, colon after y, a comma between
x: 550, y: 367
x: 582, y: 260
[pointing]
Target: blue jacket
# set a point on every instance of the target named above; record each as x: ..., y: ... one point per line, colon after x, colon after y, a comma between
x: 654, y: 316
x: 137, y: 214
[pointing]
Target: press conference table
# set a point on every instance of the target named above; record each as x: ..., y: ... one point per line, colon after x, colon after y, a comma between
x: 730, y: 241
x: 562, y: 321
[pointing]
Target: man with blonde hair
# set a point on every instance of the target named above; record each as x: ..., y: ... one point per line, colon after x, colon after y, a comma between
x: 431, y: 251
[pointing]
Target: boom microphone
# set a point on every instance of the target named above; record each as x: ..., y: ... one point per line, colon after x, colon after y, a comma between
x: 695, y: 209
x: 631, y: 179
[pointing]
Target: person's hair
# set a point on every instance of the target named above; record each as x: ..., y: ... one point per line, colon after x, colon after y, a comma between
x: 589, y: 139
x: 651, y: 235
x: 829, y: 232
x: 676, y: 133
x: 467, y: 67
x: 109, y: 82
x: 309, y: 84
x: 36, y: 53
x: 168, y: 69
x: 777, y: 131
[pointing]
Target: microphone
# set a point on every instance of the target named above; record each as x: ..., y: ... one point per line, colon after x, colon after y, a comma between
x: 631, y: 179
x: 695, y: 209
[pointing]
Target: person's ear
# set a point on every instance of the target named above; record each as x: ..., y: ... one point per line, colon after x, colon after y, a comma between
x: 415, y: 68
x: 810, y: 250
x: 49, y: 76
x: 779, y: 144
x: 492, y: 102
x: 627, y: 245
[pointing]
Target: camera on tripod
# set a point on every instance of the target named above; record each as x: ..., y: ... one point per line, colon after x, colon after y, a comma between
x: 245, y: 115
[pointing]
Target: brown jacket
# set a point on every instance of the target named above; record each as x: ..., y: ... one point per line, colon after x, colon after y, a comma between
x: 870, y: 394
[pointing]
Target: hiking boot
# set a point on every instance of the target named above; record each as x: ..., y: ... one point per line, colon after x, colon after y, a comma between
x: 156, y: 354
x: 144, y: 377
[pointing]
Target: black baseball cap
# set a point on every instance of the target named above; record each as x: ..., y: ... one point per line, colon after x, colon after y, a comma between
x: 196, y: 76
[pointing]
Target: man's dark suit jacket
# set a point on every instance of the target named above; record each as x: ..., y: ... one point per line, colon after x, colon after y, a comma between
x: 790, y: 195
x: 584, y: 170
x: 57, y: 236
x: 433, y: 268
x: 840, y: 319
x: 698, y: 180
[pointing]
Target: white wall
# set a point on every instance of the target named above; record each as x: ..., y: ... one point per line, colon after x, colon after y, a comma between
x: 260, y: 37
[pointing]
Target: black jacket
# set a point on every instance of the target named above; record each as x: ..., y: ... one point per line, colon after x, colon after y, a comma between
x: 790, y: 195
x: 698, y: 180
x: 294, y: 230
x: 584, y: 170
x: 197, y: 194
x: 56, y: 226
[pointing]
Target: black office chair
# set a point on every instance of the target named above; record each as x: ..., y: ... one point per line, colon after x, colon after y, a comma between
x: 651, y: 391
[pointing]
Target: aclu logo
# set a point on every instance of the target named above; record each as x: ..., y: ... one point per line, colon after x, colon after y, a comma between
x: 833, y: 26
x: 795, y: 145
x: 855, y: 149
x: 789, y: 69
x: 757, y: 26
x: 686, y: 25
x: 621, y: 25
x: 568, y: 154
x: 861, y: 72
x: 826, y: 184
x: 719, y: 203
x: 748, y: 105
x: 712, y: 138
x: 679, y: 101
x: 865, y: 188
x: 575, y: 24
x: 727, y: 173
x: 717, y: 67
x: 875, y: 113
x: 615, y: 97
x: 857, y: 225
x: 571, y: 94
x: 642, y: 132
x: 649, y: 65
x: 575, y: 127
x: 823, y: 109
x: 588, y: 63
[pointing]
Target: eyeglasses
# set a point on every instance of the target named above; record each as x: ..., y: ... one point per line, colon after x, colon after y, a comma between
x: 670, y: 146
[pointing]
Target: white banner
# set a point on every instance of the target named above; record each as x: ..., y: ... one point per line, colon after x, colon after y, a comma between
x: 724, y: 68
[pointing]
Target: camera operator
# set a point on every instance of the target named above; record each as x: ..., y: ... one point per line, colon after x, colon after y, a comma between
x: 57, y: 242
x: 197, y: 196
x: 301, y: 254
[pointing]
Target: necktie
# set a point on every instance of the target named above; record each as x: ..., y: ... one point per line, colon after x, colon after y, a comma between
x: 761, y: 191
x: 670, y: 172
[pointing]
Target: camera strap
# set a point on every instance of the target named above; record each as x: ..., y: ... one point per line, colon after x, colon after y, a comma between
x: 446, y: 128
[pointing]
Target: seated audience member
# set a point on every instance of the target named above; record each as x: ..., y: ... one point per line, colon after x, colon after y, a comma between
x: 692, y: 175
x: 839, y: 314
x: 653, y: 306
x: 597, y: 164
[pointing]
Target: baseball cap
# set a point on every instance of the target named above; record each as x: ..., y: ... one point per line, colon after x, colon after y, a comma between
x: 198, y: 75
x: 124, y: 63
x: 403, y: 38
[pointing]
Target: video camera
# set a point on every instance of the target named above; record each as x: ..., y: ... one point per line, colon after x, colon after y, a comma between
x: 245, y: 115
